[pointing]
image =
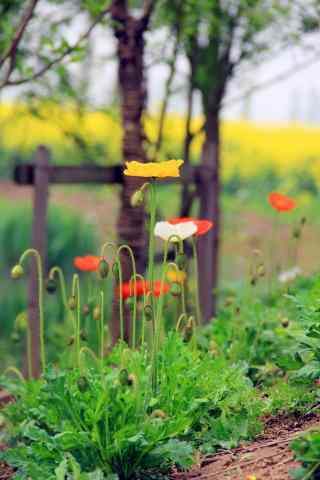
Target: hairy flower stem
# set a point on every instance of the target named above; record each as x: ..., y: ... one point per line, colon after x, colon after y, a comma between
x: 16, y: 372
x: 272, y: 259
x: 134, y: 275
x: 142, y: 333
x: 29, y: 349
x: 153, y: 208
x: 158, y: 318
x: 77, y: 296
x: 89, y: 352
x: 57, y: 271
x: 36, y: 254
x: 196, y: 275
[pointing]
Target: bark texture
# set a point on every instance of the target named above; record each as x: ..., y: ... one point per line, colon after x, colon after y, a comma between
x: 129, y: 32
x: 209, y: 194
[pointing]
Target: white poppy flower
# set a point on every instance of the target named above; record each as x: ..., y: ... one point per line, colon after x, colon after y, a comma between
x: 180, y: 231
x: 289, y: 275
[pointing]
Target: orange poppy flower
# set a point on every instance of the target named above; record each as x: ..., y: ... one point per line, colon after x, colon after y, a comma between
x: 203, y: 226
x: 142, y: 287
x: 88, y: 263
x: 280, y: 202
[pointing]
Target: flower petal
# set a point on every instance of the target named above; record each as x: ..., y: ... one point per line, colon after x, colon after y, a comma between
x: 175, y: 233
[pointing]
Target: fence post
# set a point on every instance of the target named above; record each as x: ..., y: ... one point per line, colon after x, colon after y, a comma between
x: 39, y: 242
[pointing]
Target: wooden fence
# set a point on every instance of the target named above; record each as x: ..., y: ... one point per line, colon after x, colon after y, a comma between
x: 41, y: 174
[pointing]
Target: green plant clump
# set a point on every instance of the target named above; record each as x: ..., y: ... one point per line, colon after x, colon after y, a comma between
x: 110, y: 422
x: 307, y: 451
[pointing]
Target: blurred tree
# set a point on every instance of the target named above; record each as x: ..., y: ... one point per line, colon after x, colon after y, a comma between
x: 218, y: 37
x: 38, y: 43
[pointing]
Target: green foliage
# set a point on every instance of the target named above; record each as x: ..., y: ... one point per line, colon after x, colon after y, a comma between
x: 68, y: 234
x: 125, y: 429
x: 288, y: 397
x: 307, y: 451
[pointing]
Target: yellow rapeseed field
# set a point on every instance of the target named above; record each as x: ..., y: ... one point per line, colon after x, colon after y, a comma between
x: 247, y: 148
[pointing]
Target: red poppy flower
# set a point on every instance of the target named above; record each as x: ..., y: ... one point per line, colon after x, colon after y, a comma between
x: 280, y: 202
x: 142, y: 287
x: 157, y: 288
x: 88, y: 263
x: 203, y: 226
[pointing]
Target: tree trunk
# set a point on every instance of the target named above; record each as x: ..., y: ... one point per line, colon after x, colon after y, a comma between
x: 209, y: 193
x: 129, y: 33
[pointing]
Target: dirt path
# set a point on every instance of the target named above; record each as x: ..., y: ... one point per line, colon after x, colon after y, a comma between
x: 268, y: 458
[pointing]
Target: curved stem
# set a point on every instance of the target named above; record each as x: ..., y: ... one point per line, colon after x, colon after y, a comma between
x: 35, y: 253
x: 196, y: 275
x: 106, y: 245
x: 88, y: 351
x: 16, y: 372
x: 180, y: 319
x: 134, y: 275
x: 57, y: 271
x: 142, y: 279
x: 76, y: 294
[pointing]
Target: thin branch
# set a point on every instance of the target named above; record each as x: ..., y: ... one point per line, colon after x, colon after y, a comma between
x: 148, y: 8
x: 274, y: 80
x: 60, y: 57
x: 168, y: 92
x: 26, y: 17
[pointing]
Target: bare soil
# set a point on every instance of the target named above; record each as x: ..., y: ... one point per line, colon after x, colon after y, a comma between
x: 267, y: 458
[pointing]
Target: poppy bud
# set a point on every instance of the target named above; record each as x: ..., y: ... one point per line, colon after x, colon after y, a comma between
x: 148, y: 312
x: 132, y: 380
x: 296, y: 233
x: 96, y: 313
x: 83, y: 335
x: 72, y: 302
x: 51, y: 285
x: 17, y: 272
x: 130, y: 301
x: 103, y: 268
x: 213, y: 347
x: 187, y: 333
x: 115, y: 271
x: 83, y: 384
x: 15, y: 337
x: 229, y: 301
x: 21, y: 322
x: 136, y: 199
x: 181, y: 261
x: 158, y: 414
x: 175, y: 290
x: 253, y: 281
x: 303, y: 221
x: 70, y: 341
x: 86, y: 309
x: 261, y: 270
x: 123, y: 377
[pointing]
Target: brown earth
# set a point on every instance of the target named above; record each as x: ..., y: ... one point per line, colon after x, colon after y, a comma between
x: 267, y: 458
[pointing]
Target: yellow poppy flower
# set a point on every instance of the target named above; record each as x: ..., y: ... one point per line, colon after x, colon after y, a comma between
x: 169, y: 168
x: 175, y: 276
